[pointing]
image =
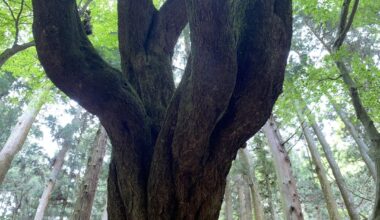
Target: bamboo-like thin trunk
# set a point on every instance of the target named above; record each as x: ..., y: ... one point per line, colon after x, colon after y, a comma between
x: 363, y: 148
x: 286, y: 182
x: 44, y: 200
x: 86, y: 195
x: 331, y: 204
x: 347, y: 197
x: 20, y: 132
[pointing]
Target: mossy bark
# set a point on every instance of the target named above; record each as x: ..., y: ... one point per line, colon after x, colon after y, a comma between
x: 172, y: 148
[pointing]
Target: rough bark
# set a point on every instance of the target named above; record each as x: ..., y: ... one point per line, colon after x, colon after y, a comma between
x: 331, y: 205
x: 285, y: 179
x: 346, y: 195
x: 363, y: 148
x: 87, y: 189
x: 228, y: 201
x: 250, y: 178
x: 172, y: 148
x: 19, y: 133
x: 44, y: 200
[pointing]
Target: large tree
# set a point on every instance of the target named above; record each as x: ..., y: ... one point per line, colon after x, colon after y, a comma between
x: 172, y: 147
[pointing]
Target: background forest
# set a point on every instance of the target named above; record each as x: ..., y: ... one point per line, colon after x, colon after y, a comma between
x: 314, y: 155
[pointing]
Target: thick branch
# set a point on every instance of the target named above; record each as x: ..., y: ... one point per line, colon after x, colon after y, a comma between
x: 167, y: 26
x: 8, y: 53
x: 134, y: 20
x: 72, y: 63
x: 201, y: 139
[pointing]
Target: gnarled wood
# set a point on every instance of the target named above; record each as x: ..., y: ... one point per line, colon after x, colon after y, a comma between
x: 172, y: 149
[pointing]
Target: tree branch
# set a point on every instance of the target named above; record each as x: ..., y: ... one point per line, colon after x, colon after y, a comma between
x: 169, y: 22
x: 8, y: 53
x: 342, y: 32
x: 134, y: 20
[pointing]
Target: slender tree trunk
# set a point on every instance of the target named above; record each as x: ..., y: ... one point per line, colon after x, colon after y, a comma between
x: 369, y: 127
x: 252, y: 183
x: 346, y: 195
x: 228, y: 209
x: 20, y: 132
x: 331, y: 204
x: 270, y: 199
x: 363, y: 148
x: 243, y: 199
x: 288, y: 190
x: 346, y: 19
x: 86, y: 195
x: 44, y: 200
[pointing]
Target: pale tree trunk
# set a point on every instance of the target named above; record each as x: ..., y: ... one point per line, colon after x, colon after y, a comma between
x: 331, y: 204
x: 44, y: 200
x: 104, y: 214
x: 363, y: 148
x: 348, y: 13
x: 243, y: 199
x: 252, y: 183
x: 346, y: 195
x: 86, y: 195
x: 19, y: 133
x: 286, y: 182
x: 228, y: 209
x: 270, y: 199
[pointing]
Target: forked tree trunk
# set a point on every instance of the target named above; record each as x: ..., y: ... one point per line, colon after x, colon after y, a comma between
x: 328, y: 194
x: 346, y: 195
x: 285, y: 180
x: 228, y: 209
x: 172, y: 147
x: 252, y: 183
x: 363, y: 148
x: 87, y: 189
x: 20, y: 132
x: 57, y: 167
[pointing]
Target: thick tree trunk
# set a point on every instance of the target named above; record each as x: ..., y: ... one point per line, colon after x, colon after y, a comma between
x: 86, y: 195
x: 228, y: 209
x: 172, y: 148
x: 331, y: 205
x: 252, y: 183
x: 44, y: 200
x: 286, y: 182
x: 363, y: 148
x: 346, y: 195
x: 19, y: 133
